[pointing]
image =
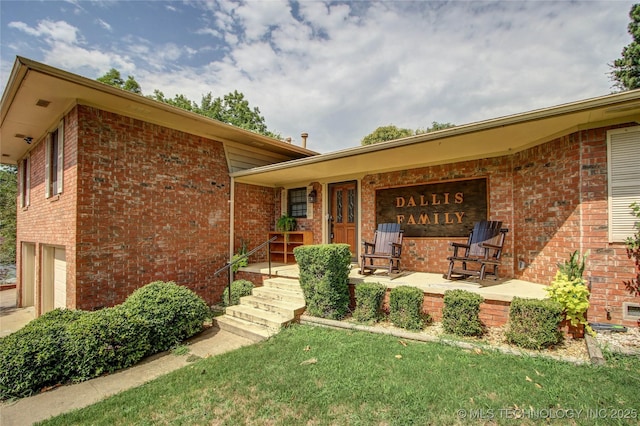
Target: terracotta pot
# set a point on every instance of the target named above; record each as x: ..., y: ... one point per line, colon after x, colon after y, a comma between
x: 577, y: 332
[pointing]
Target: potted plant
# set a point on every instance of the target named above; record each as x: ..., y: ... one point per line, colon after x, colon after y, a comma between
x: 286, y: 223
x: 570, y: 290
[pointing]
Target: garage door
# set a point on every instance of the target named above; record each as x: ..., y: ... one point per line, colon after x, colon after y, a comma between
x: 60, y: 279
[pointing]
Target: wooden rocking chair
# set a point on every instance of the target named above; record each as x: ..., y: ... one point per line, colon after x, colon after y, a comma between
x: 483, y: 250
x: 386, y: 246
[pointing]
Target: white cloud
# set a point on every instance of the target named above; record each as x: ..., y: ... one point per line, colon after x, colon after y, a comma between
x: 104, y: 24
x: 339, y: 70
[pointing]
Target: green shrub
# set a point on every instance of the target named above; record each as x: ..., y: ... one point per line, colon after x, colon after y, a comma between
x: 533, y: 323
x: 32, y: 358
x: 461, y: 313
x: 405, y: 307
x: 573, y: 296
x: 239, y: 288
x: 324, y: 278
x: 369, y: 298
x: 172, y: 313
x: 105, y: 341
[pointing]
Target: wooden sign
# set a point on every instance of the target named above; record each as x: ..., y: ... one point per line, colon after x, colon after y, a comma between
x: 443, y: 209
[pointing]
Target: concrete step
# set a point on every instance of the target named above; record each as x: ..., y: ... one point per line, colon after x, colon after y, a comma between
x: 244, y: 328
x: 290, y: 284
x: 279, y: 294
x: 282, y: 307
x: 271, y: 320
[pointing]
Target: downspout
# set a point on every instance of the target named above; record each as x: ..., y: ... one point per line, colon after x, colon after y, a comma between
x: 232, y: 212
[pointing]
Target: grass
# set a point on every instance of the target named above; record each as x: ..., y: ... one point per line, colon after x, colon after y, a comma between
x: 317, y: 376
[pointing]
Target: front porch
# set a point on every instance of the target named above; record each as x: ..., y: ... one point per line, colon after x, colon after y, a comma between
x: 501, y: 290
x: 497, y: 294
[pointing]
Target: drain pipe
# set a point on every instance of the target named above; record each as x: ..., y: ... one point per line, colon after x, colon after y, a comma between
x: 232, y: 211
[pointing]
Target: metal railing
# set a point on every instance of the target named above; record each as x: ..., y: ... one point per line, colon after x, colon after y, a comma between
x: 245, y: 256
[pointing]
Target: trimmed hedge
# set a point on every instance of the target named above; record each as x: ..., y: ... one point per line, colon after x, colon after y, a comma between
x: 461, y: 313
x: 405, y: 307
x: 32, y: 358
x: 324, y: 278
x: 172, y: 313
x: 65, y: 345
x: 105, y: 341
x: 369, y: 298
x: 533, y: 324
x: 239, y: 288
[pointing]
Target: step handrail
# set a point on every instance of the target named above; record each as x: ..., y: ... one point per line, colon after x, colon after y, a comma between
x: 229, y: 264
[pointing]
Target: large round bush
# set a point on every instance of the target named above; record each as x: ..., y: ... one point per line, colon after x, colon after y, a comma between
x: 172, y: 313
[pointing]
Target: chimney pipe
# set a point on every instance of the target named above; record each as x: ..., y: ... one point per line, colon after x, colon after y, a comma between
x: 304, y: 137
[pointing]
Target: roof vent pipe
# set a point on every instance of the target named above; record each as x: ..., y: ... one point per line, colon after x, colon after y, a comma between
x: 288, y: 140
x: 304, y: 137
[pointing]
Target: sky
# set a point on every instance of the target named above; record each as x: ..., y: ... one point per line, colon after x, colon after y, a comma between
x: 337, y: 70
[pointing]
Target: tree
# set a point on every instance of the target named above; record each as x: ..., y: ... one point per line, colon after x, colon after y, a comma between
x: 113, y: 78
x: 435, y: 126
x: 386, y: 133
x: 8, y: 194
x: 391, y: 132
x: 626, y: 70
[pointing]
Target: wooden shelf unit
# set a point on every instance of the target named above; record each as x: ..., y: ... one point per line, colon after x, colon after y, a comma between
x: 282, y: 247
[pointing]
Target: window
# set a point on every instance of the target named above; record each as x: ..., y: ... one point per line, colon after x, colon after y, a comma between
x: 623, y: 157
x: 25, y: 182
x: 297, y: 200
x: 54, y: 164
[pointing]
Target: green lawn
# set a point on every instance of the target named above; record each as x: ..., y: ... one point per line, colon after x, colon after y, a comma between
x: 363, y: 379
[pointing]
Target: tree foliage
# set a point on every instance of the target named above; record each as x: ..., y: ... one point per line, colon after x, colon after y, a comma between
x: 8, y: 193
x: 391, y: 132
x: 232, y: 108
x: 626, y: 70
x: 113, y: 78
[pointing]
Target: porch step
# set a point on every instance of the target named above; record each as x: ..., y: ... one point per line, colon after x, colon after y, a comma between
x: 290, y: 284
x: 278, y: 303
x: 282, y: 307
x: 279, y: 294
x: 244, y: 328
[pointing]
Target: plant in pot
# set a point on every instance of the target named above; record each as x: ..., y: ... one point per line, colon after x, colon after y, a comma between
x: 570, y: 290
x: 286, y: 223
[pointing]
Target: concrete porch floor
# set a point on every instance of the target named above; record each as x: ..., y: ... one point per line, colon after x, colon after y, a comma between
x: 502, y: 290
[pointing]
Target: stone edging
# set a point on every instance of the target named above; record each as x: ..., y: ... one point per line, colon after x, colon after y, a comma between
x: 323, y: 322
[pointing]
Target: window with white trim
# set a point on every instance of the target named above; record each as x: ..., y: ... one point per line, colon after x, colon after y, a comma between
x: 25, y: 181
x: 54, y: 161
x: 623, y: 163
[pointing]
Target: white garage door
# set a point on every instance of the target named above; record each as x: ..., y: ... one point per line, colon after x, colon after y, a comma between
x: 60, y: 279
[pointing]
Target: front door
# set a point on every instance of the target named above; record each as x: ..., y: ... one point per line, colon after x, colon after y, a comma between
x: 343, y: 224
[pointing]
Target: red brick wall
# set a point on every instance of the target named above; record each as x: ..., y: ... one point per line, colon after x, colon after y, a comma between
x: 255, y: 217
x: 51, y: 221
x: 153, y: 204
x: 430, y: 254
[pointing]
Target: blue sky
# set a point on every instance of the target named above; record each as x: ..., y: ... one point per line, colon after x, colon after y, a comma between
x: 336, y: 70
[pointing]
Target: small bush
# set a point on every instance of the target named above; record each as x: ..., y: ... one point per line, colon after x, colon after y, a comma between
x: 105, y: 341
x: 573, y: 295
x: 369, y: 298
x: 239, y: 288
x: 172, y: 313
x: 324, y: 278
x: 405, y: 307
x: 461, y: 313
x: 533, y: 324
x: 32, y: 358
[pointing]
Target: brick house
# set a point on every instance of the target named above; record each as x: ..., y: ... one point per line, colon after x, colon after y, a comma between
x: 116, y: 190
x: 151, y: 192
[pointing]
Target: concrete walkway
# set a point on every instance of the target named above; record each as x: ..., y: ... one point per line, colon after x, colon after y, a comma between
x: 27, y: 411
